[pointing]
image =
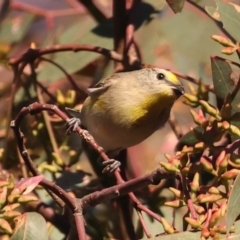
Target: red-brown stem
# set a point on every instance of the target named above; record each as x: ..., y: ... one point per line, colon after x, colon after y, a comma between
x: 209, y: 215
x: 226, y: 60
x: 131, y: 6
x: 186, y: 191
x: 233, y: 146
x: 193, y: 80
x: 119, y: 26
x: 33, y: 54
x: 69, y: 77
x: 79, y: 221
x: 145, y: 229
x: 43, y: 12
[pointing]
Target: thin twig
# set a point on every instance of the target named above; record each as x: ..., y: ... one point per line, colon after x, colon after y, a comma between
x: 130, y: 50
x: 17, y: 71
x: 76, y: 5
x: 96, y: 197
x: 69, y: 77
x: 145, y: 229
x: 22, y: 165
x: 209, y: 215
x: 45, y: 115
x: 226, y: 60
x: 174, y: 126
x: 44, y: 89
x: 210, y: 88
x: 44, y: 12
x: 188, y: 197
x: 32, y: 54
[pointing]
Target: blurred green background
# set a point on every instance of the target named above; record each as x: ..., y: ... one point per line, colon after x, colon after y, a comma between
x: 179, y: 42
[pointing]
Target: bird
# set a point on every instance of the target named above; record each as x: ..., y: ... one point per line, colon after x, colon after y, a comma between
x: 125, y: 108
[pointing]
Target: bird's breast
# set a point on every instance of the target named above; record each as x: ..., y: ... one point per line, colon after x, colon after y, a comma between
x: 127, y: 123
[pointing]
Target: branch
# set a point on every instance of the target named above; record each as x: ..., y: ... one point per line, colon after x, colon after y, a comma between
x: 124, y: 188
x: 69, y: 77
x: 32, y: 54
x: 95, y: 198
x: 44, y: 12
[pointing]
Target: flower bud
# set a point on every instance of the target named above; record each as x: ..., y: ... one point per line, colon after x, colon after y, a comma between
x: 176, y: 192
x: 5, y: 226
x: 197, y: 119
x: 213, y: 190
x: 70, y: 97
x: 214, y: 218
x: 202, y: 91
x: 194, y: 185
x: 169, y: 167
x: 207, y: 166
x: 226, y: 42
x: 212, y: 111
x: 191, y: 98
x: 228, y: 50
x: 231, y: 174
x: 60, y: 97
x: 57, y: 159
x: 234, y: 130
x: 208, y: 198
x: 166, y: 226
x: 175, y: 203
x: 10, y: 214
x: 199, y: 209
x: 10, y: 207
x: 194, y: 223
x: 199, y: 145
x: 27, y: 198
x: 205, y: 233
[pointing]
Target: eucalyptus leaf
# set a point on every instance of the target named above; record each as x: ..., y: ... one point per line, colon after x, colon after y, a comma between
x: 92, y: 33
x: 79, y: 33
x: 221, y: 72
x: 189, y: 139
x: 15, y: 26
x: 176, y: 5
x: 224, y: 84
x: 228, y: 15
x: 30, y: 225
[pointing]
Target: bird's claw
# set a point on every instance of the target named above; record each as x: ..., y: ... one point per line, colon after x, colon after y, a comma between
x: 111, y: 166
x: 72, y: 125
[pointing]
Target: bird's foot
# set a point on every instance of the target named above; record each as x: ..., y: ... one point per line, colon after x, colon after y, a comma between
x: 110, y: 166
x: 72, y: 125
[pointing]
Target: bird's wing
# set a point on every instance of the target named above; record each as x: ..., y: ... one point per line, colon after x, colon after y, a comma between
x: 74, y: 113
x: 103, y: 85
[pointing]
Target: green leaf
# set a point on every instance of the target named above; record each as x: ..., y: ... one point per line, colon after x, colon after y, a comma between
x: 233, y: 208
x: 221, y: 72
x: 96, y: 34
x: 15, y: 26
x: 189, y: 139
x: 223, y: 84
x: 30, y: 225
x: 79, y: 33
x: 176, y: 5
x: 228, y: 15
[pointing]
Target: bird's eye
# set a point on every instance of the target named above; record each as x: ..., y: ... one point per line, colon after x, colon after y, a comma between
x: 160, y: 76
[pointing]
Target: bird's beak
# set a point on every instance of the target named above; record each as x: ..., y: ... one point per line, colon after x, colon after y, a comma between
x: 179, y: 91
